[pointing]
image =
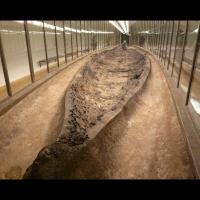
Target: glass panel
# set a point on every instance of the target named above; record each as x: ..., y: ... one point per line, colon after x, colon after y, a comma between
x: 167, y: 44
x: 97, y: 29
x: 78, y: 37
x: 84, y: 43
x: 92, y: 40
x: 15, y: 49
x: 108, y: 39
x: 74, y: 39
x: 38, y: 50
x: 188, y: 55
x: 179, y: 48
x: 87, y: 36
x: 195, y: 88
x: 51, y: 45
x: 164, y: 38
x: 173, y: 45
x: 3, y: 91
x: 60, y: 38
x: 68, y: 41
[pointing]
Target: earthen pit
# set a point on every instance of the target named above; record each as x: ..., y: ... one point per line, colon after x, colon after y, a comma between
x: 103, y: 83
x: 95, y: 96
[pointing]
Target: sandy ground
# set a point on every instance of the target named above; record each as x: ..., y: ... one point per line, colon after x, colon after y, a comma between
x: 144, y: 142
x: 33, y: 123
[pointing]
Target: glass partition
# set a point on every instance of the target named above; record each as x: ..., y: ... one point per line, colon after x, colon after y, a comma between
x: 68, y: 38
x: 179, y: 48
x: 15, y: 50
x: 51, y: 45
x: 60, y: 39
x: 3, y: 90
x: 188, y: 55
x: 195, y: 87
x: 173, y: 46
x: 38, y: 50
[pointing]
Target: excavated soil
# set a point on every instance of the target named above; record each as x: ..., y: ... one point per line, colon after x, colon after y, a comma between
x: 100, y: 88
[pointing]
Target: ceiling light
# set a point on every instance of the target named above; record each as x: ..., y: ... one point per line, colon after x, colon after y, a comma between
x: 123, y: 25
x: 50, y: 26
x: 116, y: 25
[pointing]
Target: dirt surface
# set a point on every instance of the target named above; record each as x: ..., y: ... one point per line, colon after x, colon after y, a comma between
x: 145, y: 141
x: 33, y: 123
x: 98, y: 92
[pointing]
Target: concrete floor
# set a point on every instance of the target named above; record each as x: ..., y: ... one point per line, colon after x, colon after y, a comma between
x: 144, y: 141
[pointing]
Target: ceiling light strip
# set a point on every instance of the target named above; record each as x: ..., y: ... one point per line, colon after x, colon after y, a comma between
x: 46, y: 25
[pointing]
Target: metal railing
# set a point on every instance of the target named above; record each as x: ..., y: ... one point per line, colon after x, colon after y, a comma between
x: 89, y: 36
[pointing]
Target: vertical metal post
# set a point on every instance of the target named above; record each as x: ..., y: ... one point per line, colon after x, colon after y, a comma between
x: 160, y: 41
x: 88, y: 39
x: 177, y: 35
x: 157, y: 39
x: 4, y: 66
x: 164, y: 36
x: 28, y: 44
x: 137, y: 35
x: 113, y: 34
x: 183, y: 53
x: 81, y: 36
x: 101, y: 36
x: 72, y: 51
x: 93, y: 37
x: 64, y: 41
x: 85, y: 37
x: 166, y: 49
x: 90, y: 35
x: 56, y: 40
x: 104, y: 35
x: 160, y: 25
x: 164, y: 40
x: 98, y: 35
x: 154, y: 35
x: 171, y: 39
x: 45, y: 47
x: 148, y: 38
x: 147, y: 35
x: 148, y: 25
x: 76, y: 40
x: 196, y: 51
x: 151, y: 35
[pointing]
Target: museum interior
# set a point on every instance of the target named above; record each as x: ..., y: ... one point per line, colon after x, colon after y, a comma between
x: 99, y: 99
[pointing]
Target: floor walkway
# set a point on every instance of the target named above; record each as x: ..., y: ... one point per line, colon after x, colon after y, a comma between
x: 144, y: 142
x: 33, y: 123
